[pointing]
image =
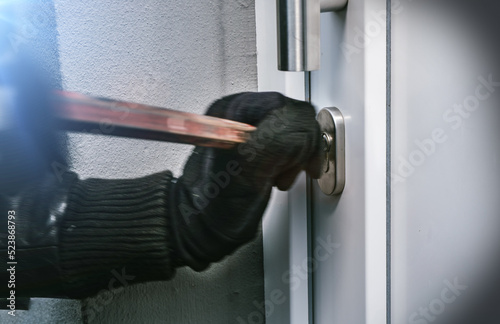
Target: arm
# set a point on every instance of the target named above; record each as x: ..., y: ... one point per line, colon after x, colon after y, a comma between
x: 74, y: 236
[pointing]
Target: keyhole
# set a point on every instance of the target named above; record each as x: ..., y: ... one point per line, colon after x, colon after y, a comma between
x: 327, y: 139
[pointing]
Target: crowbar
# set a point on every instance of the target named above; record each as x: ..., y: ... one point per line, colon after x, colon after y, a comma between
x: 81, y: 113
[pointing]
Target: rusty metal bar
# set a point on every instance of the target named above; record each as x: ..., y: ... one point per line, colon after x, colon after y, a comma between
x: 81, y: 113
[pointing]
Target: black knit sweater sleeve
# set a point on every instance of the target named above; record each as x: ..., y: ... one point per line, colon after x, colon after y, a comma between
x: 115, y: 233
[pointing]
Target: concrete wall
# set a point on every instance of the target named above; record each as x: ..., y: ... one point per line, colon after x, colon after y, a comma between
x: 180, y: 55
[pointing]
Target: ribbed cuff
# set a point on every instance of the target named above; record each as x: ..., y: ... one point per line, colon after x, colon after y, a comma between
x: 116, y: 233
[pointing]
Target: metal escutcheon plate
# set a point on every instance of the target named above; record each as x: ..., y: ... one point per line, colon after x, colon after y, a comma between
x: 331, y: 121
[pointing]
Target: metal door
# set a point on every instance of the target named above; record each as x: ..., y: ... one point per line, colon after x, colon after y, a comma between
x: 349, y: 281
x: 414, y: 237
x: 325, y: 256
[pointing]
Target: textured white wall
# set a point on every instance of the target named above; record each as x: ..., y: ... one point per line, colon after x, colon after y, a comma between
x: 180, y: 55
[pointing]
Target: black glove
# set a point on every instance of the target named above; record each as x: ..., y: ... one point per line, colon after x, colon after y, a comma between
x: 217, y: 204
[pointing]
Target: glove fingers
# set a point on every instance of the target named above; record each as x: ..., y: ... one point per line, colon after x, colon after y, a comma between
x: 314, y: 167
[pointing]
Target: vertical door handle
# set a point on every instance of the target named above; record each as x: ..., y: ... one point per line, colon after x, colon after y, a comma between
x: 299, y: 32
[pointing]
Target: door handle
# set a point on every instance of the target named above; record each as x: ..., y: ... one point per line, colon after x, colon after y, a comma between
x: 299, y: 32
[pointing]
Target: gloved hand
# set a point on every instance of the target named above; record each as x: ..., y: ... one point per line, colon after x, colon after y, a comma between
x: 217, y: 204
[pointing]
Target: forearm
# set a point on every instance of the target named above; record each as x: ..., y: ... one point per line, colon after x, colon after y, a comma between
x: 120, y: 225
x: 145, y: 228
x: 105, y: 227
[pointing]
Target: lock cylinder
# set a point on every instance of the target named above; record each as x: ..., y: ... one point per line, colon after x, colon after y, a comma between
x: 331, y: 122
